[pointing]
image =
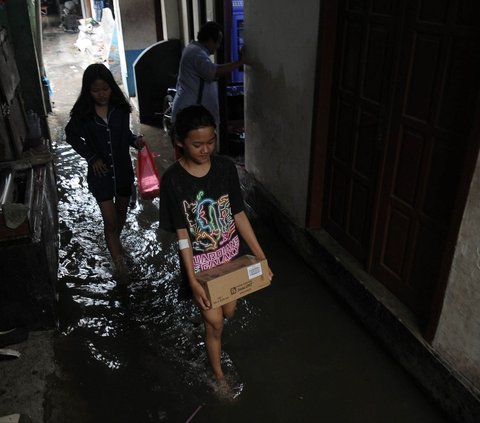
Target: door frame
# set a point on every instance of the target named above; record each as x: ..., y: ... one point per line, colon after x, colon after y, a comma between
x: 321, y: 111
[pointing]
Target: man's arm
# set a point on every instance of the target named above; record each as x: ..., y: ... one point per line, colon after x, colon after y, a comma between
x: 227, y: 68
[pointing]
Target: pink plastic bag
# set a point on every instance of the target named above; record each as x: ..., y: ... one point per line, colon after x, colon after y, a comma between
x: 147, y: 175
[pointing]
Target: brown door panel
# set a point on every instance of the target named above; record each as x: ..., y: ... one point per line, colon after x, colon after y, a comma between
x: 405, y: 84
x: 361, y: 89
x: 432, y: 114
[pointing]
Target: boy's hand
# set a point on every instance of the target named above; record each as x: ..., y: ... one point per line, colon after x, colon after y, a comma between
x: 200, y: 296
x: 270, y: 274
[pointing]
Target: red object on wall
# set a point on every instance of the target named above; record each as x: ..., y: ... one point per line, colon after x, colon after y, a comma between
x: 147, y: 175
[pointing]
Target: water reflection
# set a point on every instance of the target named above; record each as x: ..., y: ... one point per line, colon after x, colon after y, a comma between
x: 140, y: 341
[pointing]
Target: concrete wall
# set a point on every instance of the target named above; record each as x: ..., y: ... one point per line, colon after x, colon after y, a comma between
x: 139, y: 31
x: 457, y: 338
x: 138, y: 23
x: 281, y: 41
x: 170, y: 17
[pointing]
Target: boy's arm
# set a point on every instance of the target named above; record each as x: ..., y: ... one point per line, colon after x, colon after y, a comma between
x: 186, y: 256
x: 246, y: 231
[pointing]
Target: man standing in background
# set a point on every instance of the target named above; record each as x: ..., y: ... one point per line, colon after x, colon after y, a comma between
x: 197, y: 77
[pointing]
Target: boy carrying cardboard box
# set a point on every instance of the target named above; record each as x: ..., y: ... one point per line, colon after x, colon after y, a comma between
x: 201, y: 200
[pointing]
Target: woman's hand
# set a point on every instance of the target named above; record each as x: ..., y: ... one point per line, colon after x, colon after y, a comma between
x: 99, y: 168
x: 200, y: 296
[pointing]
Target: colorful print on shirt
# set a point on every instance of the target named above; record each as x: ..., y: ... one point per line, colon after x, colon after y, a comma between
x: 212, y: 229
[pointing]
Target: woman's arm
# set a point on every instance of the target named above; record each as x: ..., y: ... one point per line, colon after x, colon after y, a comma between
x: 75, y: 136
x: 186, y: 255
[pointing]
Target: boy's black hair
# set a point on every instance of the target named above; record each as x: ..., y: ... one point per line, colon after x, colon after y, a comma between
x: 210, y: 30
x: 190, y: 118
x: 84, y: 107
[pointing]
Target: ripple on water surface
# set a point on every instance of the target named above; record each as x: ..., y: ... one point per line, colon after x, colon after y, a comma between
x: 142, y: 338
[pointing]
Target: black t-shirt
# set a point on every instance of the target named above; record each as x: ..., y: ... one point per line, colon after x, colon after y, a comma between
x: 205, y: 207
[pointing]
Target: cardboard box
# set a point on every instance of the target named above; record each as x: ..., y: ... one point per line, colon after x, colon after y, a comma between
x: 235, y: 279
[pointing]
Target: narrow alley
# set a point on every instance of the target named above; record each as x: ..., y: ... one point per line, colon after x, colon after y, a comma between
x: 293, y: 352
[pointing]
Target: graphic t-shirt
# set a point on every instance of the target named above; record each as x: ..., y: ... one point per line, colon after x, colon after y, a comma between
x: 205, y: 208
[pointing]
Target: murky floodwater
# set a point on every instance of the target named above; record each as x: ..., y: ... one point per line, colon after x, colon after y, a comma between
x: 136, y: 355
x: 138, y: 351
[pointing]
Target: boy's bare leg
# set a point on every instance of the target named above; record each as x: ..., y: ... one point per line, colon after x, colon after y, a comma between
x: 213, y: 321
x: 229, y: 309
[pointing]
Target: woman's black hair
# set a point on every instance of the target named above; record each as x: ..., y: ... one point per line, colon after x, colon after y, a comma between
x: 84, y: 107
x: 190, y: 118
x: 210, y: 30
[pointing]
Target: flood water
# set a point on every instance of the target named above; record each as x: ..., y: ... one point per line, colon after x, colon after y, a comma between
x: 139, y: 350
x: 293, y: 352
x: 136, y: 354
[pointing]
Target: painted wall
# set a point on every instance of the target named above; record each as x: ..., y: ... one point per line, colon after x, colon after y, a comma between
x: 139, y: 31
x: 170, y: 19
x: 281, y: 42
x: 138, y: 23
x: 457, y: 337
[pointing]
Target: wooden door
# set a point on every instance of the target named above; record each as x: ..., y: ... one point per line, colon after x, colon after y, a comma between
x: 405, y: 89
x: 432, y: 115
x: 367, y: 42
